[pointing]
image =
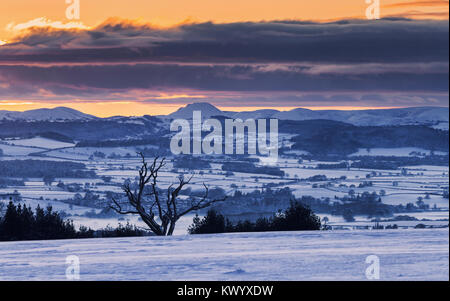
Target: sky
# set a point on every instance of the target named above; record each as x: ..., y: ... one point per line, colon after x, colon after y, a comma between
x: 151, y: 57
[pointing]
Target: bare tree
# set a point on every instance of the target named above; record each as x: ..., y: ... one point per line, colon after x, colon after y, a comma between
x: 161, y: 213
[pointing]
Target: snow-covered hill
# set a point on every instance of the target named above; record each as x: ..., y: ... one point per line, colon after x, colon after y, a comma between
x: 56, y: 114
x: 207, y: 109
x: 437, y: 117
x: 416, y: 115
x: 376, y: 117
x: 258, y: 114
x: 317, y: 255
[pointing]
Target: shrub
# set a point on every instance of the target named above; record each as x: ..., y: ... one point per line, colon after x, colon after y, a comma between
x: 213, y: 222
x: 296, y: 218
x: 121, y: 231
x: 348, y: 215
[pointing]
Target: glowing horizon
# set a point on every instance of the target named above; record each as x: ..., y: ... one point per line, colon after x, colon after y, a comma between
x: 130, y: 108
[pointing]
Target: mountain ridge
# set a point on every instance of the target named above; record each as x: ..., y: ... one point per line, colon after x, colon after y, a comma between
x: 45, y: 114
x: 375, y: 117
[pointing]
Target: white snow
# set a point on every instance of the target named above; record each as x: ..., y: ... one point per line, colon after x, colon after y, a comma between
x: 40, y: 142
x: 59, y: 113
x: 312, y: 255
x: 258, y: 114
x: 415, y: 115
x: 12, y: 151
x: 441, y: 126
x: 207, y: 110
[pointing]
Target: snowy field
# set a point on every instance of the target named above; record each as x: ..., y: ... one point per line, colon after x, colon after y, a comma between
x: 331, y: 255
x: 39, y: 142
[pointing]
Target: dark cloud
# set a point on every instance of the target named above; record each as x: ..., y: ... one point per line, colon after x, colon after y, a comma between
x: 387, y: 40
x: 213, y: 78
x: 323, y: 100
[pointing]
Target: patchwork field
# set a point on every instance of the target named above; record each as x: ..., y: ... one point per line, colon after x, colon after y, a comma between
x: 119, y: 164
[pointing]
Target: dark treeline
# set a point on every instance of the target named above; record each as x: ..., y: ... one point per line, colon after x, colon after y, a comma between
x: 79, y: 130
x: 22, y: 223
x: 341, y: 165
x: 5, y: 182
x: 160, y: 142
x: 326, y: 137
x: 392, y: 163
x: 366, y: 203
x: 376, y: 162
x: 295, y: 218
x: 126, y: 230
x: 249, y: 167
x: 48, y: 135
x: 56, y: 136
x: 258, y: 203
x: 43, y: 168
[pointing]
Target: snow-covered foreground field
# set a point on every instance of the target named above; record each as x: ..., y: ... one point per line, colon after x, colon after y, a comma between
x: 331, y: 255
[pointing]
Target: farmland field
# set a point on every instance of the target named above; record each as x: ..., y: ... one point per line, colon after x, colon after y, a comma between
x: 424, y: 182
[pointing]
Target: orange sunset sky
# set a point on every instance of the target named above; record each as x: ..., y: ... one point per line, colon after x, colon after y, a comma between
x: 18, y: 17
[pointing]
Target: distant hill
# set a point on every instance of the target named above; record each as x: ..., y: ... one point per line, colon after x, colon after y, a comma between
x: 326, y: 137
x: 85, y: 130
x: 437, y: 117
x: 318, y: 137
x: 207, y: 109
x: 258, y: 114
x: 374, y: 117
x: 56, y: 114
x: 415, y: 115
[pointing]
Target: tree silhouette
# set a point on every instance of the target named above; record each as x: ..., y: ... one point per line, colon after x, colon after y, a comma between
x: 161, y: 213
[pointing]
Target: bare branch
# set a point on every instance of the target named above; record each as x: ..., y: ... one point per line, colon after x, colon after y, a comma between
x: 203, y: 203
x: 119, y: 210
